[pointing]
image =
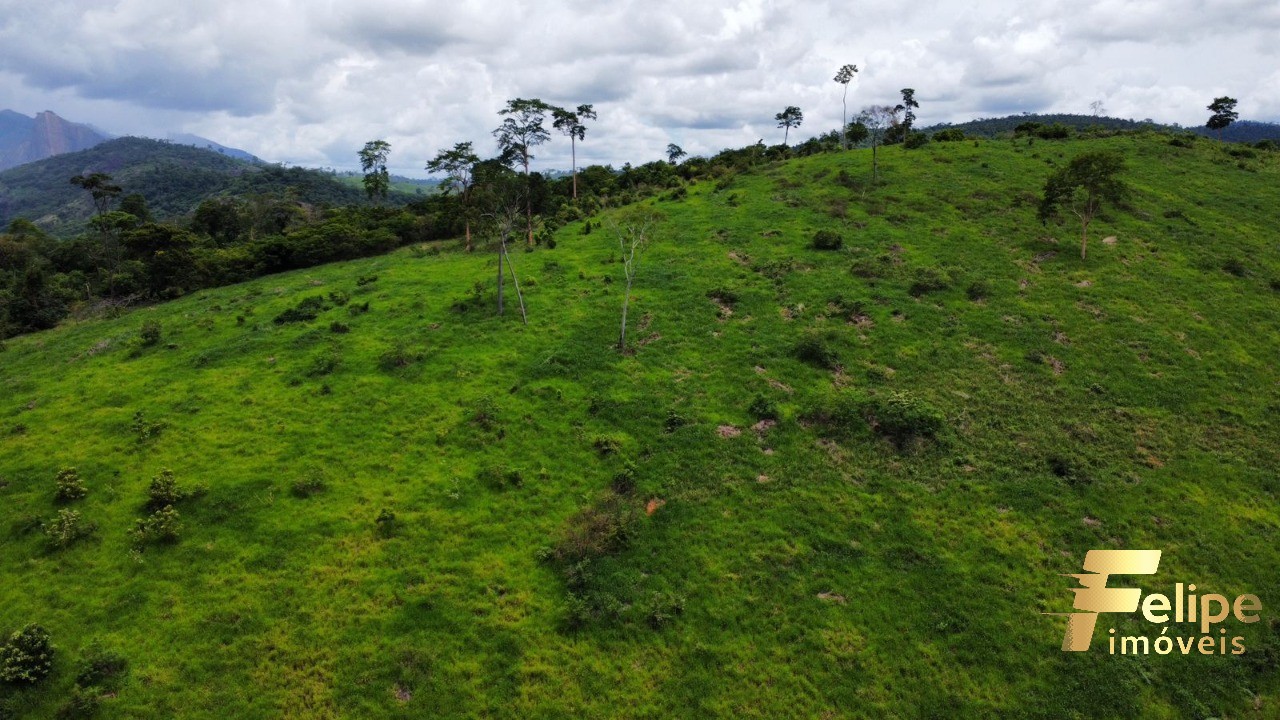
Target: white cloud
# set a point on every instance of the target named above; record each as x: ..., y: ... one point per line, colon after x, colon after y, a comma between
x: 309, y: 83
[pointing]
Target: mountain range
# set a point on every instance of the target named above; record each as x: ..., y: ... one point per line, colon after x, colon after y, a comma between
x: 26, y: 139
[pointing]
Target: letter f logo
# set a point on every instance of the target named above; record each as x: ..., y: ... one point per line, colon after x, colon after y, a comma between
x: 1094, y: 596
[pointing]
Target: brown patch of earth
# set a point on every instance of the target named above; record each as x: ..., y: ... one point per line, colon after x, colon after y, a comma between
x: 652, y: 506
x: 728, y: 431
x: 831, y: 597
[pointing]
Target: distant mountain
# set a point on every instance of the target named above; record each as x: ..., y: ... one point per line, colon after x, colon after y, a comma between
x: 207, y: 144
x: 173, y: 178
x: 25, y: 139
x: 1242, y: 131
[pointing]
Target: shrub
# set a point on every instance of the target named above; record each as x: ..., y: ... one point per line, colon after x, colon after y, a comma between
x: 164, y: 490
x: 624, y: 481
x: 485, y: 413
x: 927, y: 280
x: 816, y: 349
x: 606, y: 444
x: 366, y: 280
x: 915, y: 140
x: 386, y: 523
x: 27, y: 657
x: 307, y: 309
x: 1070, y: 468
x: 762, y: 408
x: 145, y: 429
x: 306, y: 487
x: 500, y: 476
x: 66, y: 529
x: 978, y: 290
x: 339, y: 328
x: 674, y: 421
x: 949, y: 135
x: 162, y: 526
x: 1266, y: 145
x: 324, y: 363
x: 339, y: 298
x: 70, y: 486
x: 902, y: 417
x: 1234, y: 266
x: 602, y: 528
x: 150, y: 333
x: 827, y: 240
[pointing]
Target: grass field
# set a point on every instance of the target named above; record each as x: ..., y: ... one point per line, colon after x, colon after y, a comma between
x: 583, y: 533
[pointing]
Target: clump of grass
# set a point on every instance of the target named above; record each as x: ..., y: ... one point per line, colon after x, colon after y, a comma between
x: 927, y: 280
x: 762, y: 408
x: 385, y: 523
x: 903, y: 417
x: 501, y: 476
x: 399, y: 356
x: 978, y: 290
x: 145, y: 429
x: 150, y: 333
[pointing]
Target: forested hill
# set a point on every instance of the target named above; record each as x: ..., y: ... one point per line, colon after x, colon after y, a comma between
x: 173, y: 178
x: 1241, y: 131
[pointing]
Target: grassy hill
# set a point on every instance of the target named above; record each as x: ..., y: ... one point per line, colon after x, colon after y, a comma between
x: 579, y: 532
x: 174, y: 179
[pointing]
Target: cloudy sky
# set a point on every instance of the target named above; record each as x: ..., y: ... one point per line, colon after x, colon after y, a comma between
x: 309, y: 81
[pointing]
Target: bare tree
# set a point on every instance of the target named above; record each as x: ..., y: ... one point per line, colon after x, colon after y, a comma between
x: 634, y: 228
x: 500, y: 195
x: 877, y: 119
x: 843, y: 76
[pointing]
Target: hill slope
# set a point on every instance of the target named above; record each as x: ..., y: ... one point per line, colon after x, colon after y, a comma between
x: 174, y: 178
x: 582, y: 533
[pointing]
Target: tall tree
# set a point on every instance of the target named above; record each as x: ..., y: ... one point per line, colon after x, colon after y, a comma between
x: 633, y: 228
x: 877, y: 119
x: 1224, y: 113
x: 458, y: 166
x: 570, y: 123
x: 1082, y: 186
x: 373, y: 160
x: 520, y: 131
x: 905, y: 107
x: 843, y: 76
x: 789, y: 118
x: 674, y: 153
x: 100, y: 188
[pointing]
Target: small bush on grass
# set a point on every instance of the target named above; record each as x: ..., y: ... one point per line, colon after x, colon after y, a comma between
x: 307, y: 309
x: 385, y: 523
x: 161, y: 526
x: 903, y: 417
x: 827, y: 240
x: 70, y: 486
x: 27, y: 656
x: 762, y: 408
x: 101, y: 668
x: 150, y: 333
x: 164, y: 490
x: 818, y: 349
x: 307, y: 487
x: 66, y: 529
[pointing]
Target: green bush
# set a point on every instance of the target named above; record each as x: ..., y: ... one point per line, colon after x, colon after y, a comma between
x: 150, y: 333
x: 949, y: 135
x: 602, y: 528
x: 978, y: 290
x: 307, y: 309
x: 164, y: 490
x: 385, y: 523
x: 500, y: 476
x: 902, y: 417
x: 306, y: 487
x: 827, y: 240
x: 66, y: 529
x: 915, y: 140
x: 83, y: 704
x: 27, y: 657
x: 927, y: 280
x: 162, y: 526
x: 817, y: 350
x: 762, y: 408
x: 70, y: 486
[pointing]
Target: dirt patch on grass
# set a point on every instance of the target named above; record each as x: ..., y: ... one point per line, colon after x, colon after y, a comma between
x: 403, y: 694
x: 652, y: 506
x: 1109, y: 240
x: 1091, y: 521
x: 1058, y: 366
x: 728, y: 431
x: 764, y: 426
x: 832, y: 597
x: 740, y: 258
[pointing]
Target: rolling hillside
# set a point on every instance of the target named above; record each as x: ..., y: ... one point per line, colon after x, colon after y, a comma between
x: 174, y: 178
x: 825, y: 483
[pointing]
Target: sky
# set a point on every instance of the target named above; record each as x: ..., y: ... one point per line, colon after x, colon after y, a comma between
x: 308, y: 82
